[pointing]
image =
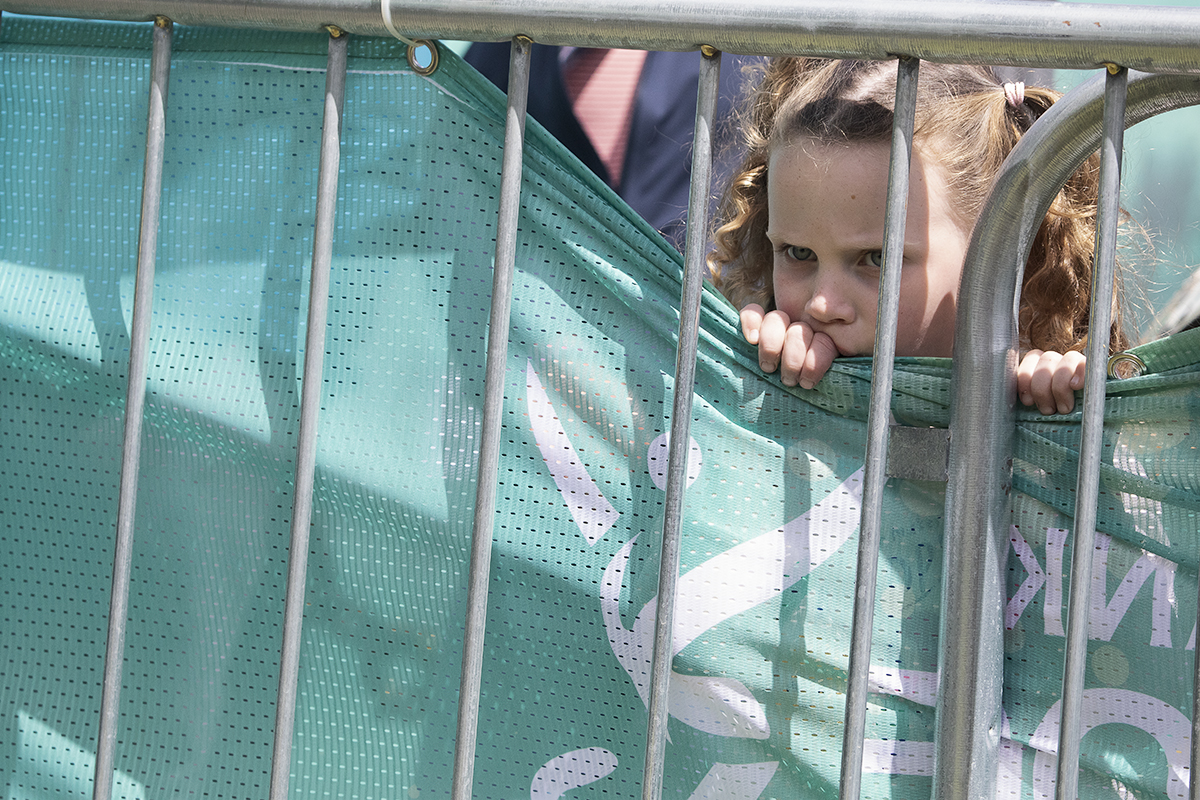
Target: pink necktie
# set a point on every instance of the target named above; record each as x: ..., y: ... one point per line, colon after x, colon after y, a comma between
x: 601, y: 85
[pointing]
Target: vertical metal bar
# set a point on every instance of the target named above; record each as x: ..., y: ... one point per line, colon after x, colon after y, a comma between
x: 878, y: 419
x: 1194, y: 786
x: 493, y: 406
x: 983, y: 391
x: 975, y: 530
x: 135, y: 402
x: 681, y: 420
x: 1087, y: 482
x: 310, y: 405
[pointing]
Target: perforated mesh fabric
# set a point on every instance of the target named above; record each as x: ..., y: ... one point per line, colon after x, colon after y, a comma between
x: 770, y: 516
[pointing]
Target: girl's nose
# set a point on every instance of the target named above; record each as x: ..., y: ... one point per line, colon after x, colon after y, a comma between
x: 828, y: 306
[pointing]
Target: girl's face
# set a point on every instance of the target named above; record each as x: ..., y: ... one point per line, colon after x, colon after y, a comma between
x: 826, y: 205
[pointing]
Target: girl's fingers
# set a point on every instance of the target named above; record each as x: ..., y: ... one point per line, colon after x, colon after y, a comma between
x: 752, y: 318
x: 1049, y: 380
x: 795, y: 352
x: 1042, y: 386
x: 806, y: 356
x: 771, y: 335
x: 1066, y: 378
x: 1025, y: 370
x: 821, y: 353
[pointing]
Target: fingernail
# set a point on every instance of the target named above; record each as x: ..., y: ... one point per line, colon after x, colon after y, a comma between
x: 806, y: 384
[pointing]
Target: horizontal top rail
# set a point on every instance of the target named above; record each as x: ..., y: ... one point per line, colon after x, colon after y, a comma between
x: 1032, y: 33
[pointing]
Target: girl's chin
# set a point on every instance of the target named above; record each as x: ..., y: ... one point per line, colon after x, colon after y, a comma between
x: 921, y: 353
x: 848, y: 351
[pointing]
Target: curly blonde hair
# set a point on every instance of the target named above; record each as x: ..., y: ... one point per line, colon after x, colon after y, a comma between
x: 964, y: 123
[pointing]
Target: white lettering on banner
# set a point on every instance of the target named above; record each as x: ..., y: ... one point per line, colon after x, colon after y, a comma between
x: 1009, y: 774
x: 893, y: 757
x: 1052, y: 614
x: 1146, y: 513
x: 1106, y: 706
x: 589, y: 507
x: 735, y: 781
x: 758, y: 570
x: 1030, y: 586
x: 720, y: 706
x: 1104, y: 618
x: 590, y: 764
x: 1105, y: 614
x: 570, y: 771
x: 919, y: 686
x: 896, y: 757
x: 658, y: 460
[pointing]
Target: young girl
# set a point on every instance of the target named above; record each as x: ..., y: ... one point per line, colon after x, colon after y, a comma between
x: 800, y: 236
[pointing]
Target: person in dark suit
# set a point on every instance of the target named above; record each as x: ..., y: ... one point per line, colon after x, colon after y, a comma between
x: 655, y: 165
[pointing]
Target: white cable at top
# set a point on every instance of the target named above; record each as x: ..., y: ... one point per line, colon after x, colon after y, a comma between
x: 385, y: 10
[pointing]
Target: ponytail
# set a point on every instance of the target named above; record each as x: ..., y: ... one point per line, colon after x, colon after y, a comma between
x: 1055, y: 293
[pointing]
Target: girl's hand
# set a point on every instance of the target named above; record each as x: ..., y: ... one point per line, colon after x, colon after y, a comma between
x: 1048, y: 380
x: 801, y: 354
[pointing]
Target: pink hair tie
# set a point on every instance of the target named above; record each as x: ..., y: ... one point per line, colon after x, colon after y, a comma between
x: 1015, y: 92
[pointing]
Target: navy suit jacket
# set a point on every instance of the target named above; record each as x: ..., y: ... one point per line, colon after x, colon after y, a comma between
x: 658, y: 157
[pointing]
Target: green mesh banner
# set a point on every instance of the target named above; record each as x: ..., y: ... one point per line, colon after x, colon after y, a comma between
x: 771, y: 511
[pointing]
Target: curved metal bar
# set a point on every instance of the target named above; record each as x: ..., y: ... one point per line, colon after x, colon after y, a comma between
x: 878, y: 423
x: 135, y: 403
x: 310, y: 406
x: 1194, y: 760
x: 971, y: 658
x: 1030, y: 33
x: 470, y: 683
x: 681, y: 420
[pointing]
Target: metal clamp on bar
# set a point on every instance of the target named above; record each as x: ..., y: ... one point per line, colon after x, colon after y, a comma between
x: 918, y: 454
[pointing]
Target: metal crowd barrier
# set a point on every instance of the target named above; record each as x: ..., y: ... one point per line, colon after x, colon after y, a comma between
x: 1164, y: 42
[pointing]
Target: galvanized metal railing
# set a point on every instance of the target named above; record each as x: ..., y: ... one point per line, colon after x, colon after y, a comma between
x: 131, y: 445
x: 875, y: 472
x: 1027, y: 33
x: 982, y: 419
x: 489, y: 447
x: 1020, y: 33
x: 310, y: 406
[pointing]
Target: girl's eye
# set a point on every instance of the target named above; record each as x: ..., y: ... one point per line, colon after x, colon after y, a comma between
x: 875, y: 259
x: 799, y: 253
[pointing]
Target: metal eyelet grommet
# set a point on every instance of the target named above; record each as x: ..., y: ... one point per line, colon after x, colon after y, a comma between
x: 423, y: 56
x: 1125, y: 365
